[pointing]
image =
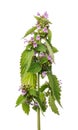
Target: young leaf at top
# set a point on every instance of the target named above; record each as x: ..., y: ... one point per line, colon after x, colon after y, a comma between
x: 49, y: 47
x: 41, y: 48
x: 53, y: 105
x: 49, y: 35
x: 26, y: 108
x: 31, y: 30
x: 54, y: 49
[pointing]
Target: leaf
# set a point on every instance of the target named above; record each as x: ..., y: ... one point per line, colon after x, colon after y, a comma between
x: 41, y: 48
x: 55, y: 87
x: 42, y: 20
x: 33, y: 92
x: 26, y: 108
x: 31, y: 30
x: 20, y: 100
x: 49, y: 74
x: 53, y: 105
x: 49, y: 35
x: 42, y: 96
x: 29, y: 80
x: 28, y: 47
x: 43, y: 87
x: 55, y: 50
x: 25, y: 62
x: 43, y: 60
x: 49, y: 47
x: 35, y: 67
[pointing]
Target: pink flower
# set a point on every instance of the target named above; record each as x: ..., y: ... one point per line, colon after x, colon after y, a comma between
x: 49, y: 58
x: 32, y: 39
x: 34, y: 45
x: 38, y: 37
x: 38, y: 26
x: 24, y: 92
x: 45, y: 30
x: 25, y: 40
x: 44, y: 74
x: 41, y: 54
x: 38, y: 14
x: 45, y: 15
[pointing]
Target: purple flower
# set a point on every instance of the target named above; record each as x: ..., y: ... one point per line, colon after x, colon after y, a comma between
x: 34, y: 45
x: 45, y: 15
x: 38, y: 14
x: 24, y: 92
x: 25, y: 40
x: 38, y: 37
x: 49, y: 58
x: 38, y: 26
x: 41, y: 54
x: 32, y: 39
x: 45, y: 30
x: 44, y: 74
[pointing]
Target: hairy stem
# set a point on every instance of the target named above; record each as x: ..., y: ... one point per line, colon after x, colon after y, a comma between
x: 38, y: 110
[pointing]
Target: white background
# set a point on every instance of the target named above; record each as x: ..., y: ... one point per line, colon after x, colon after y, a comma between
x: 16, y: 16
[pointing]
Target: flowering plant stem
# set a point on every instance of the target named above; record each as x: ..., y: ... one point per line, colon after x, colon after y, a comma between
x: 38, y: 110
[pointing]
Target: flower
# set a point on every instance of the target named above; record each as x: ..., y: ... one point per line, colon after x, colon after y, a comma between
x: 24, y: 92
x: 45, y: 30
x: 38, y: 37
x: 25, y: 40
x: 38, y: 14
x: 38, y: 26
x: 36, y: 104
x: 45, y: 15
x: 44, y: 74
x: 41, y: 54
x: 49, y: 58
x: 32, y: 39
x: 34, y: 44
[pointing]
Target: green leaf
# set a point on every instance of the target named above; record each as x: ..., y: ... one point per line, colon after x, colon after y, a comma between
x: 33, y: 92
x: 31, y: 30
x: 49, y: 47
x: 43, y: 87
x: 53, y: 105
x: 28, y: 47
x: 20, y: 100
x: 55, y: 87
x: 42, y: 20
x: 42, y: 96
x: 55, y: 50
x: 43, y: 60
x: 41, y: 48
x: 29, y: 80
x: 26, y: 108
x: 25, y: 62
x: 49, y: 35
x: 35, y: 67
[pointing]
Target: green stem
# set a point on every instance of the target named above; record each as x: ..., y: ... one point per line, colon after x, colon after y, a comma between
x: 38, y: 110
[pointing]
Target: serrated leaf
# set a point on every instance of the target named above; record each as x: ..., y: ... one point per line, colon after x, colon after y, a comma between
x: 41, y: 48
x: 25, y: 62
x: 43, y: 87
x: 55, y: 87
x: 35, y: 67
x: 29, y: 80
x: 43, y: 60
x: 53, y: 105
x: 20, y: 100
x: 49, y: 35
x: 28, y: 47
x: 33, y: 92
x: 49, y: 47
x: 26, y: 108
x: 31, y: 30
x: 55, y: 50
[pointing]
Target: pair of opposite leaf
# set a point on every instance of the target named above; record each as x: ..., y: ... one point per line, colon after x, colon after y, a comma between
x: 31, y: 64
